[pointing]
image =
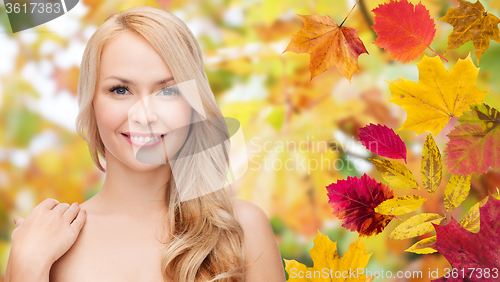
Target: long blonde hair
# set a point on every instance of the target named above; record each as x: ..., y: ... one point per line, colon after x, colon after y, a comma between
x: 206, y: 240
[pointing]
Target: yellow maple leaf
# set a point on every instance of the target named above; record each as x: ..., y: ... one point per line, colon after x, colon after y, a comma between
x: 439, y: 94
x: 328, y: 265
x: 471, y: 22
x: 329, y: 44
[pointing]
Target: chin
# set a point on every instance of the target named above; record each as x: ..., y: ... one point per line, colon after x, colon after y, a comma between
x: 128, y: 158
x: 138, y: 166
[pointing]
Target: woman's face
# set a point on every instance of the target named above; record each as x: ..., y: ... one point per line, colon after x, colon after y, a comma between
x: 136, y: 103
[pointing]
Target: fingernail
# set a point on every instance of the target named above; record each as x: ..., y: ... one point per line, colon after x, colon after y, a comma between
x: 75, y: 204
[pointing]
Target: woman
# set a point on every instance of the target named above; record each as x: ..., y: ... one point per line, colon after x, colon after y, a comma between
x: 161, y: 214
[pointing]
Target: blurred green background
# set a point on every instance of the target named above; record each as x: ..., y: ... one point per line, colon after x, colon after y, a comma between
x: 268, y: 91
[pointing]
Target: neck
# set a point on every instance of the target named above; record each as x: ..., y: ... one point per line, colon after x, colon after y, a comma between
x: 131, y: 192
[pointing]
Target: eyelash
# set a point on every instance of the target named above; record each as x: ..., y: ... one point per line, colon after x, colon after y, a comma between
x: 116, y: 87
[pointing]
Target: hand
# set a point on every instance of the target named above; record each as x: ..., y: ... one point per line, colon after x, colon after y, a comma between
x: 48, y: 231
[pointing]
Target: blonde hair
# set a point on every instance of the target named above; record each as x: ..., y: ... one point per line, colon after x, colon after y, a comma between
x: 206, y: 240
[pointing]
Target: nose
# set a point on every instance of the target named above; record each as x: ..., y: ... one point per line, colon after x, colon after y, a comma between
x: 142, y: 112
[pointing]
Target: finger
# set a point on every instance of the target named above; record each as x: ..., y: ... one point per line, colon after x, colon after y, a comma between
x: 48, y: 203
x: 61, y: 208
x: 18, y: 221
x: 80, y: 219
x: 72, y: 212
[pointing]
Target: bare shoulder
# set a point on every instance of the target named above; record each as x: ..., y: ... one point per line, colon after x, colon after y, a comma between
x: 254, y: 220
x: 110, y: 247
x: 247, y: 213
x: 262, y: 254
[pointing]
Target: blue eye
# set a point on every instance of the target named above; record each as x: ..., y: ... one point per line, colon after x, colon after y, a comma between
x: 170, y: 91
x: 120, y: 89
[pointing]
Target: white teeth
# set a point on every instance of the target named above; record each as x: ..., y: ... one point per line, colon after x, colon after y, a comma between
x: 144, y: 139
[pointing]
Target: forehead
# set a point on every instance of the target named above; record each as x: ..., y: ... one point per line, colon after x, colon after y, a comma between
x: 130, y: 55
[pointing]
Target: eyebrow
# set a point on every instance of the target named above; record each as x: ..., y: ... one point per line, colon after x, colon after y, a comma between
x: 126, y: 81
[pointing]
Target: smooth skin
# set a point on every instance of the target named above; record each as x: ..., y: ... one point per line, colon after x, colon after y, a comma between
x: 119, y: 236
x: 38, y: 241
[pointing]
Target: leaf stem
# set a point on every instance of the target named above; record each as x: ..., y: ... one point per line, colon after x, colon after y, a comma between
x: 348, y: 14
x: 436, y: 53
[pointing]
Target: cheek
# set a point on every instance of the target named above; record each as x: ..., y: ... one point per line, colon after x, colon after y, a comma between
x: 177, y: 115
x: 109, y: 116
x: 178, y: 119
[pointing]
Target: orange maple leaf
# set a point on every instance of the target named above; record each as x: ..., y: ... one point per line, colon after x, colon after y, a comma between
x: 471, y: 22
x: 328, y: 44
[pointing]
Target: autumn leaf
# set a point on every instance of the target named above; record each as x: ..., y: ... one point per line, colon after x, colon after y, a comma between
x: 416, y: 225
x: 381, y: 140
x: 400, y: 205
x: 431, y: 169
x: 403, y: 29
x: 468, y: 251
x: 470, y: 221
x: 471, y: 22
x: 397, y: 174
x: 325, y: 256
x: 473, y: 145
x: 438, y: 96
x: 328, y: 44
x: 456, y: 191
x: 354, y: 200
x: 423, y: 246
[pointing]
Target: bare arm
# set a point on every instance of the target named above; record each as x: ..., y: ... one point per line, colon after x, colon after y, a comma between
x: 22, y: 268
x: 262, y: 253
x: 42, y: 238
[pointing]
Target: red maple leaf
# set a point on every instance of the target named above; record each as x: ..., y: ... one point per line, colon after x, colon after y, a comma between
x: 403, y: 29
x: 354, y: 201
x: 383, y: 141
x: 472, y: 253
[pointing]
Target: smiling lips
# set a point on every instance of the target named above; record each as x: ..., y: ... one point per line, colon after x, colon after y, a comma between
x: 143, y: 139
